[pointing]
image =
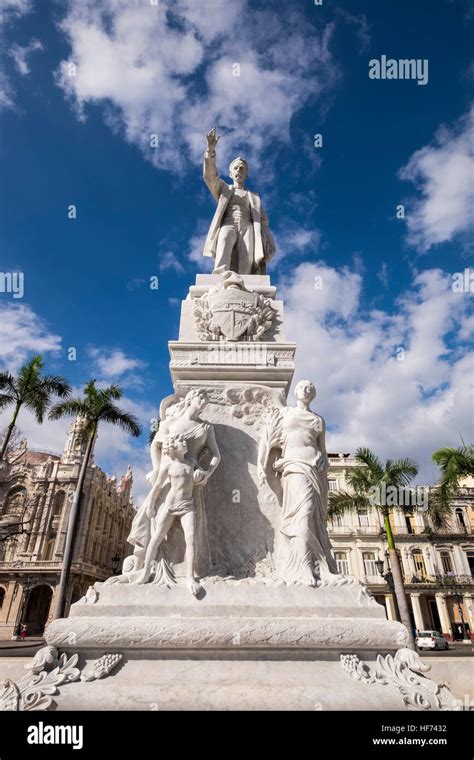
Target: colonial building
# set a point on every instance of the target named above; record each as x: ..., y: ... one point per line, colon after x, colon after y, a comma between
x: 438, y: 567
x: 36, y: 491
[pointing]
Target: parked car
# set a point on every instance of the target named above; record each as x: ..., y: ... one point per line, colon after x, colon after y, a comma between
x: 431, y: 640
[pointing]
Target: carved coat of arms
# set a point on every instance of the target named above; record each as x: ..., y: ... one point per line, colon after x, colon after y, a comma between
x: 232, y: 312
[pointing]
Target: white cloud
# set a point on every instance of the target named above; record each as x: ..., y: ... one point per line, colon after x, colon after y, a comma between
x: 10, y: 11
x: 443, y: 173
x: 368, y: 397
x: 292, y: 240
x: 23, y: 334
x: 115, y: 365
x: 196, y: 247
x: 137, y: 60
x: 13, y: 9
x: 21, y: 53
x: 169, y: 260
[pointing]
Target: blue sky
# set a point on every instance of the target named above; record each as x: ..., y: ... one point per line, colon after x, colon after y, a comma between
x: 167, y: 69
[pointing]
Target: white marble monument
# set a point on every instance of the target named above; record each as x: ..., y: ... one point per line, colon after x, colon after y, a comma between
x: 231, y: 598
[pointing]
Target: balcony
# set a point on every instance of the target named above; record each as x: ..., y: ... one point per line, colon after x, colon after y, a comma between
x: 447, y: 582
x: 340, y: 530
x: 368, y: 530
x: 414, y: 530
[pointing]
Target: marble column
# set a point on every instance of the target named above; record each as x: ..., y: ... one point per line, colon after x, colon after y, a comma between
x: 390, y: 607
x: 443, y: 613
x: 417, y: 613
x: 409, y: 563
x: 469, y: 605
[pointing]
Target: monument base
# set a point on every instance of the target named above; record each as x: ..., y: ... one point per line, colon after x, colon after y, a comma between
x: 245, y: 645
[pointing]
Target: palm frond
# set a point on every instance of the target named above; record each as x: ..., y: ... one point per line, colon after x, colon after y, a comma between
x: 360, y: 479
x: 70, y: 408
x: 367, y: 457
x: 125, y: 421
x: 7, y: 382
x: 400, y: 472
x: 6, y: 399
x: 341, y: 502
x: 55, y: 385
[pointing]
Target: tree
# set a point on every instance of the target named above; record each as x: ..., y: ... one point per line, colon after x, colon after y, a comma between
x: 370, y: 485
x: 30, y: 389
x: 454, y: 464
x: 96, y: 407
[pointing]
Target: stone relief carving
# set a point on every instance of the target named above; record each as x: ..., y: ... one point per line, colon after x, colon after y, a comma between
x: 217, y: 631
x: 249, y: 403
x: 49, y: 671
x: 405, y: 672
x: 101, y: 668
x: 230, y: 311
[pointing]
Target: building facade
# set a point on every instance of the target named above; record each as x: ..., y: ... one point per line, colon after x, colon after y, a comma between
x: 438, y: 567
x: 36, y: 491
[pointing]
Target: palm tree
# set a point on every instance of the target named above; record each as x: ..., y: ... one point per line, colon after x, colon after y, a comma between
x: 96, y: 407
x: 454, y: 464
x: 370, y: 486
x: 30, y: 389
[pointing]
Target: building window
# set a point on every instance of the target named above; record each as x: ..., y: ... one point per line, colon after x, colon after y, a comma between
x: 2, y: 597
x: 419, y: 560
x: 15, y: 503
x: 470, y: 560
x: 461, y: 523
x: 446, y: 563
x: 332, y: 485
x: 342, y: 563
x: 363, y: 518
x: 369, y: 563
x: 410, y: 521
x: 336, y: 521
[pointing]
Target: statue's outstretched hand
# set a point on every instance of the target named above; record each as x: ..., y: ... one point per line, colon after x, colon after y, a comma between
x: 212, y: 139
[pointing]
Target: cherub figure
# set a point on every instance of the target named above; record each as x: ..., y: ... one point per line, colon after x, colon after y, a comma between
x: 176, y: 470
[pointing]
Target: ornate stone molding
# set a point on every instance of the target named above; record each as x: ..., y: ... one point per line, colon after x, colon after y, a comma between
x: 48, y: 671
x: 212, y: 632
x: 405, y: 672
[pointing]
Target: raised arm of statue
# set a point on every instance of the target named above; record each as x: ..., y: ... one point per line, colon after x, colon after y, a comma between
x: 211, y: 177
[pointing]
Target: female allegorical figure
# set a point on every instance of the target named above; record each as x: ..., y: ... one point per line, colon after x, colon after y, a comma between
x: 304, y: 552
x: 181, y: 419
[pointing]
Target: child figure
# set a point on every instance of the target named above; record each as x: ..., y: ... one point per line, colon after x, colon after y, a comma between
x: 178, y: 503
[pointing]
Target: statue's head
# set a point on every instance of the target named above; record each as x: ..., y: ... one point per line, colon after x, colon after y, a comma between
x: 239, y: 169
x: 305, y: 391
x: 174, y: 446
x: 196, y: 399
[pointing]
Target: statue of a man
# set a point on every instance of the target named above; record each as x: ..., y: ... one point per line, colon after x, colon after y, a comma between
x: 239, y: 238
